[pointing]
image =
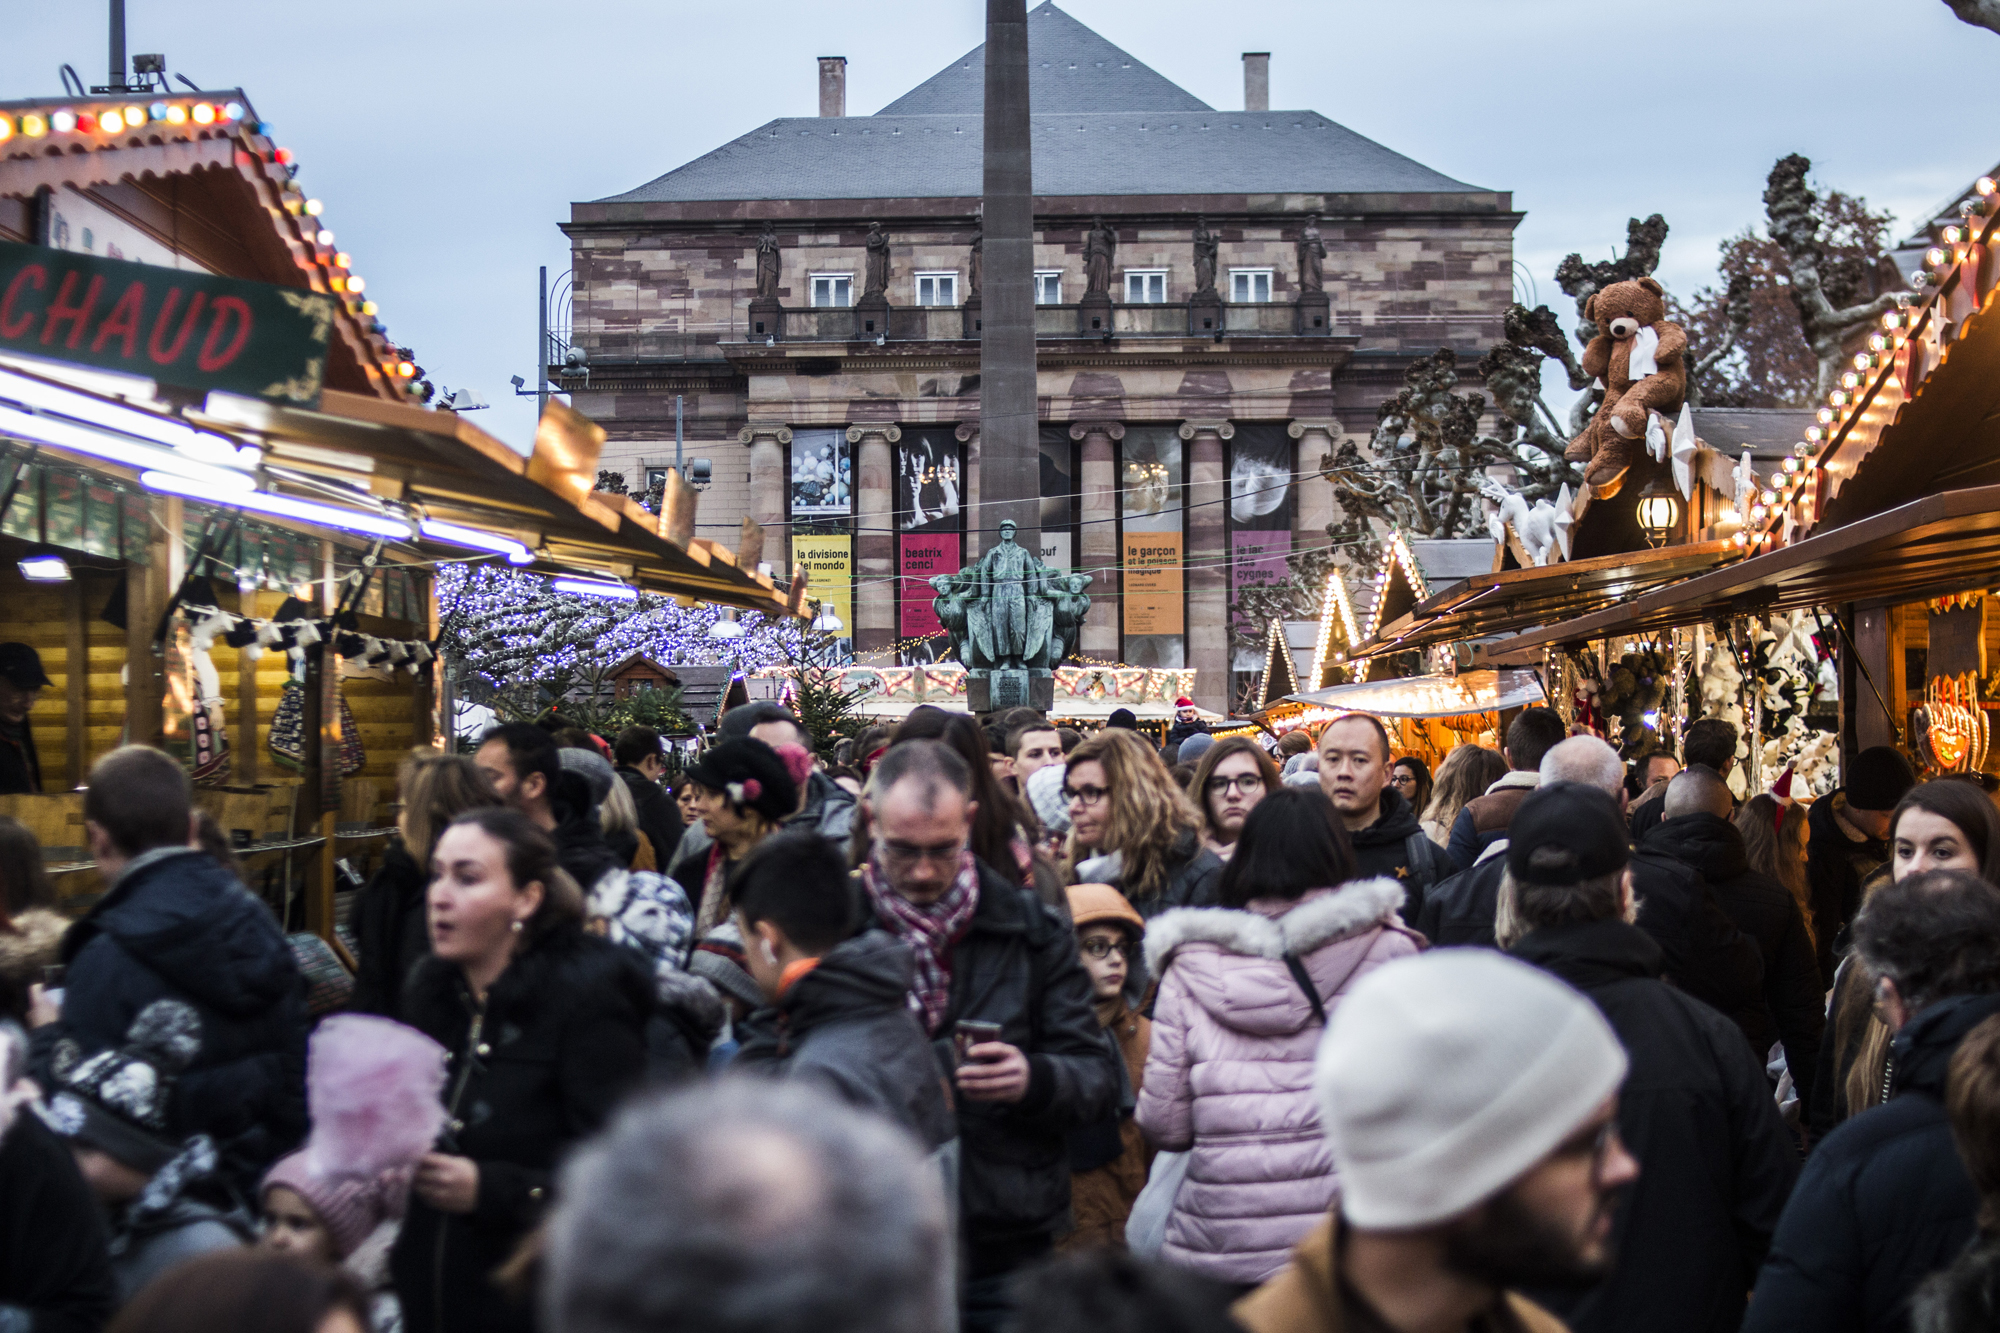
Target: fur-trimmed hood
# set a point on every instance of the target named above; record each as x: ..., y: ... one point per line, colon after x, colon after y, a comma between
x: 37, y: 944
x: 1232, y: 961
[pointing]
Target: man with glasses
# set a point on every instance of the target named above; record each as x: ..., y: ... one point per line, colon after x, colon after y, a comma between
x: 1696, y: 1110
x: 1004, y: 998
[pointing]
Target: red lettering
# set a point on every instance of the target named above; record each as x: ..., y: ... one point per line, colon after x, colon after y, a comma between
x: 225, y: 307
x: 123, y: 319
x: 165, y: 320
x: 76, y: 316
x: 11, y: 327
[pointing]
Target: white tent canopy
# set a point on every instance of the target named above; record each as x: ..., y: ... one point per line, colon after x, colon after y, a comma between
x: 1433, y: 696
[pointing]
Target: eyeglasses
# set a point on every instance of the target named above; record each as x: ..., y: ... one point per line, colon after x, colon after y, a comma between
x: 1596, y: 1144
x: 1404, y: 779
x: 1102, y: 948
x: 1243, y: 782
x: 1084, y: 795
x: 907, y: 854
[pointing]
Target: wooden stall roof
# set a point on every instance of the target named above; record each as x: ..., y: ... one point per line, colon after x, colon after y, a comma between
x: 1926, y: 548
x: 1514, y: 599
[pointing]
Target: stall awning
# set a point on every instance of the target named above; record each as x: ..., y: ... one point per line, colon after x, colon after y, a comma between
x: 1514, y: 599
x: 1432, y: 696
x: 1929, y: 547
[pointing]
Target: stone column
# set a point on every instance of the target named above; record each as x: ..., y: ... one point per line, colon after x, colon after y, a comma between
x: 1206, y: 560
x: 767, y: 441
x: 1007, y: 383
x: 968, y: 487
x: 874, y: 535
x: 1097, y: 542
x: 1315, y: 508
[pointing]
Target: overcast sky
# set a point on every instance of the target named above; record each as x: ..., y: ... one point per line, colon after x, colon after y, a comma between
x: 448, y: 139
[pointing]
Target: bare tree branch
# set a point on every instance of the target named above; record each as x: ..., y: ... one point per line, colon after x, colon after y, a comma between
x: 1789, y: 204
x: 1979, y: 13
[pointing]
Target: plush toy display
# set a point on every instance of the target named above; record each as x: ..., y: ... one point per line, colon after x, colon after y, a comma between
x: 1639, y: 359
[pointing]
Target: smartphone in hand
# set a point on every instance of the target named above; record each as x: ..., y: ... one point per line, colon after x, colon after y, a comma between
x: 967, y: 1033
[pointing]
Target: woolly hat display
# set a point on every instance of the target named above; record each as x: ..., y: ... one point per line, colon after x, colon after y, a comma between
x: 1445, y: 1077
x: 1878, y: 778
x: 594, y: 769
x: 718, y: 959
x: 1045, y: 786
x: 750, y: 774
x: 1194, y: 747
x: 118, y: 1101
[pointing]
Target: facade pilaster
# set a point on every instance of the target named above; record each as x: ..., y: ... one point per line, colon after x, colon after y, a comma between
x: 1097, y: 543
x: 874, y: 535
x: 1206, y: 561
x: 767, y: 441
x: 1315, y: 508
x: 968, y: 487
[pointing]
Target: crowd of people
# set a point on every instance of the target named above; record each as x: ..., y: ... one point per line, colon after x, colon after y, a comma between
x: 989, y: 1025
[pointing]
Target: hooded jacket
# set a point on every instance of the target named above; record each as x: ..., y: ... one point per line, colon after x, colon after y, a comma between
x: 1194, y: 877
x: 1017, y: 965
x: 1794, y: 1010
x: 55, y: 1273
x: 1884, y: 1199
x: 1484, y: 819
x: 390, y: 933
x: 560, y: 1040
x: 1396, y: 847
x: 178, y: 926
x: 580, y: 845
x: 1716, y: 1163
x: 1230, y: 1072
x: 847, y: 1026
x: 659, y: 815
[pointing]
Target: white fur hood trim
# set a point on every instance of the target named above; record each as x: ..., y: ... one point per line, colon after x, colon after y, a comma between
x: 1351, y: 907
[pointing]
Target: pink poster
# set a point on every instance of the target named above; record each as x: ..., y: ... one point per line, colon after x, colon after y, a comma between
x: 924, y: 555
x: 1257, y: 557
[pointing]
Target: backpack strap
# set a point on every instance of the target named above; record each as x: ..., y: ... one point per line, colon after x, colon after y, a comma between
x: 1304, y: 978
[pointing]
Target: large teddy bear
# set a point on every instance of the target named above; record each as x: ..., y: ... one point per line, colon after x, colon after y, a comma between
x: 1640, y: 359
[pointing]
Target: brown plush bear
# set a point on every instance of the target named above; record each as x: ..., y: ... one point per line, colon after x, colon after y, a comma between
x: 1631, y: 319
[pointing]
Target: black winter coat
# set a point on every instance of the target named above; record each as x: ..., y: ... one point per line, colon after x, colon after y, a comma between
x: 1836, y: 867
x: 54, y: 1268
x: 1794, y: 1009
x: 847, y: 1025
x: 659, y: 815
x: 1017, y: 965
x: 580, y: 845
x: 1396, y: 847
x: 1194, y: 877
x: 178, y: 926
x: 561, y: 1040
x: 390, y: 932
x: 1715, y: 1161
x: 1884, y: 1199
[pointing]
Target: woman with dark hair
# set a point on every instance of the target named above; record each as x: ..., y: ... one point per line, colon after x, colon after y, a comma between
x: 1230, y: 778
x: 1411, y: 777
x: 743, y: 793
x: 1244, y: 994
x: 31, y: 930
x: 1943, y: 824
x: 545, y: 1024
x: 1000, y: 827
x: 247, y: 1291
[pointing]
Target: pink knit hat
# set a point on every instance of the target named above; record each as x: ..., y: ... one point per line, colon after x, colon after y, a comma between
x: 351, y: 1208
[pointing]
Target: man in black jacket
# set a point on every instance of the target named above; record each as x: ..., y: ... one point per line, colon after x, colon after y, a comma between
x: 1847, y: 842
x: 1885, y: 1199
x: 525, y: 767
x: 1697, y: 830
x: 1008, y: 1008
x: 1715, y: 1161
x: 1388, y: 842
x: 639, y: 766
x: 838, y: 1004
x: 176, y: 925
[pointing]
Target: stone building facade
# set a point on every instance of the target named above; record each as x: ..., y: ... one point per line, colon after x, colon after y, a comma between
x: 834, y: 386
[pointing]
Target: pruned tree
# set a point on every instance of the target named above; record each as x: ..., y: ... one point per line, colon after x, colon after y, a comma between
x: 612, y: 482
x: 1979, y: 13
x: 1581, y: 281
x: 1832, y: 279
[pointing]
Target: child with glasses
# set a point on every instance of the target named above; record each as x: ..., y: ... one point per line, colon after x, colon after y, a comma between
x: 1109, y: 1160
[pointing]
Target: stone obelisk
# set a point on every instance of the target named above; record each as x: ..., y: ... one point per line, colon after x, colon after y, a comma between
x: 1009, y: 457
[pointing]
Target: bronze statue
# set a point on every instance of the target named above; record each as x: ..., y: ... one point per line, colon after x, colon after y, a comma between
x: 1010, y: 613
x: 1312, y: 257
x: 878, y: 261
x: 1207, y: 246
x: 1100, y: 249
x: 767, y: 261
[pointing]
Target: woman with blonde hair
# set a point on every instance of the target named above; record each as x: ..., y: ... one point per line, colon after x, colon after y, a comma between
x: 388, y: 913
x: 1464, y: 775
x: 1132, y: 827
x: 1774, y: 836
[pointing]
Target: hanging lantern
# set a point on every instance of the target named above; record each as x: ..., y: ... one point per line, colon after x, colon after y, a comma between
x: 1659, y: 513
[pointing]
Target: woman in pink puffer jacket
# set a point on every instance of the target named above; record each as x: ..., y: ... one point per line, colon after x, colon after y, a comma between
x: 1234, y: 1035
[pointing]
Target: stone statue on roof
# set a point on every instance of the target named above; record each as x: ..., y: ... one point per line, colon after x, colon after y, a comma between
x: 975, y: 259
x: 1312, y: 257
x: 878, y: 261
x: 1207, y: 247
x: 767, y: 261
x: 1100, y: 250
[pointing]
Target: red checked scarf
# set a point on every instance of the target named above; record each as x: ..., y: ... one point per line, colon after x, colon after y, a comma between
x: 929, y: 931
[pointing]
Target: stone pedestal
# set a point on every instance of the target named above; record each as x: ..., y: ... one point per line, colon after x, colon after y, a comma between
x: 1207, y: 562
x: 1093, y: 315
x: 996, y: 691
x: 874, y: 535
x: 871, y: 318
x: 1315, y: 314
x: 1205, y: 314
x: 1097, y: 545
x: 767, y: 319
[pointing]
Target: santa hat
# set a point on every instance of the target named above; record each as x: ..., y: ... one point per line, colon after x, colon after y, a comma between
x: 1184, y: 702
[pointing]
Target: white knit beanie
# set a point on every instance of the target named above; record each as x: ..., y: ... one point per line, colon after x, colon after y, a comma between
x: 1445, y: 1077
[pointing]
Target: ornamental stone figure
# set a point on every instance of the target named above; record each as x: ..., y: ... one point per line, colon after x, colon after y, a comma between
x: 1011, y: 620
x: 1207, y: 247
x: 974, y: 260
x: 767, y: 261
x: 878, y: 261
x: 1007, y: 577
x: 1100, y: 250
x: 1312, y: 257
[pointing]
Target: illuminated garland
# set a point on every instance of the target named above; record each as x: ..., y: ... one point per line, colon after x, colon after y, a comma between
x: 1333, y: 602
x: 1395, y: 555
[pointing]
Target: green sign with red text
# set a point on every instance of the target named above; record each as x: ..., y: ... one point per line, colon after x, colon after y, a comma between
x: 189, y: 330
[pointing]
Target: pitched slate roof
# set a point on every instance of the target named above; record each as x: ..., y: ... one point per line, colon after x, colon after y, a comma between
x: 1104, y: 124
x: 1070, y: 69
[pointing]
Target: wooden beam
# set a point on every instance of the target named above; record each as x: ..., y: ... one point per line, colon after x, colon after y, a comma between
x: 76, y: 677
x: 243, y: 762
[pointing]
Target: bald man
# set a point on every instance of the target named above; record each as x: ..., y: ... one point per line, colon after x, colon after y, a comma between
x: 1698, y: 831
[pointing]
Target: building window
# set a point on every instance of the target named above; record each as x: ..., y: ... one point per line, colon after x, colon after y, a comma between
x: 937, y: 289
x: 656, y: 476
x: 1048, y: 287
x: 833, y: 289
x: 1248, y: 285
x: 1145, y: 286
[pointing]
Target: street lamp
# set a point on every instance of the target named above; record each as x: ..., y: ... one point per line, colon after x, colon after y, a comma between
x: 1659, y: 513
